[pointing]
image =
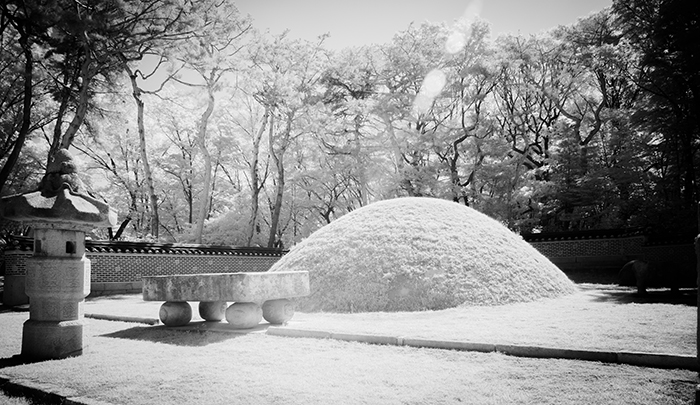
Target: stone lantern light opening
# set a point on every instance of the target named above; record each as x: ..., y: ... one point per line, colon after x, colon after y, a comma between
x: 58, y: 273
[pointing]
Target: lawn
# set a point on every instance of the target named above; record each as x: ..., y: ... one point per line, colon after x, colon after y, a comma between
x: 128, y: 363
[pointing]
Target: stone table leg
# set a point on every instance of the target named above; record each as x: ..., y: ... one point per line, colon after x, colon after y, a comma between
x: 212, y: 311
x: 244, y: 315
x: 175, y: 313
x: 278, y: 311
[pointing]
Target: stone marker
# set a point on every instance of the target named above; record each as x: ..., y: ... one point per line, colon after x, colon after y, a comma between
x: 58, y: 274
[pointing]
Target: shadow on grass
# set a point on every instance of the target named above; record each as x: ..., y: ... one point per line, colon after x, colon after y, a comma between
x: 16, y: 360
x: 684, y: 296
x: 21, y: 308
x: 196, y: 334
x: 113, y: 297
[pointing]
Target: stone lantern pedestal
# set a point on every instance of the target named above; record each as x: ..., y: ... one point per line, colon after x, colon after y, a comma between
x: 58, y: 274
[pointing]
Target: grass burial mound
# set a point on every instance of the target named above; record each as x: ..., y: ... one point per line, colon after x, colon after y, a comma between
x: 412, y: 254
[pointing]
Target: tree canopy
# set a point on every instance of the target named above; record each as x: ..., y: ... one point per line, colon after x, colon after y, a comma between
x: 196, y: 127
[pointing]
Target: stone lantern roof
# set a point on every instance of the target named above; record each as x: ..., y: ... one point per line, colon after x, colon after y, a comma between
x: 59, y: 202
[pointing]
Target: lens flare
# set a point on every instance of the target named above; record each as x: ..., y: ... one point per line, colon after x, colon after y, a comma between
x: 433, y: 83
x: 462, y: 28
x: 455, y: 42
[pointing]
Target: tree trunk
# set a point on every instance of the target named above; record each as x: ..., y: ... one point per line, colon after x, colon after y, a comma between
x: 255, y: 179
x: 202, y: 144
x: 153, y: 198
x: 278, y: 159
x: 399, y: 162
x: 457, y: 193
x: 121, y: 229
x: 399, y: 156
x: 689, y: 168
x: 697, y: 281
x: 83, y: 97
x: 58, y: 125
x: 26, y: 113
x: 363, y: 186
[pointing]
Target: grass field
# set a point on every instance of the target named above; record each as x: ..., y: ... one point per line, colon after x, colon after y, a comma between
x: 127, y: 363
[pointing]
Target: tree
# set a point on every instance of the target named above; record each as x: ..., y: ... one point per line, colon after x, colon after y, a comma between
x: 210, y: 55
x: 245, y: 120
x: 402, y: 69
x: 168, y: 22
x: 137, y: 94
x: 84, y: 46
x: 526, y: 114
x: 471, y: 79
x: 89, y: 43
x: 180, y: 163
x: 350, y: 146
x: 114, y: 154
x: 592, y: 90
x: 19, y: 28
x: 289, y: 90
x: 663, y: 33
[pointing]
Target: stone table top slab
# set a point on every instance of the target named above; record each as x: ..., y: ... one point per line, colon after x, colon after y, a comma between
x: 232, y: 287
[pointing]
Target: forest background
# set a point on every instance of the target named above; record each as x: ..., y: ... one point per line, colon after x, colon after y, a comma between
x: 198, y: 128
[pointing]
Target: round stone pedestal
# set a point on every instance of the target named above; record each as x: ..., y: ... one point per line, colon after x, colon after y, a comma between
x: 212, y: 311
x: 278, y: 311
x: 244, y: 315
x: 175, y: 313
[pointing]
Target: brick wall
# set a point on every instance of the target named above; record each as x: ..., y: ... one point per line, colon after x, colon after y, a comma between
x: 14, y: 262
x: 129, y: 267
x: 610, y: 247
x: 616, y: 250
x: 118, y: 267
x: 598, y: 260
x: 678, y: 259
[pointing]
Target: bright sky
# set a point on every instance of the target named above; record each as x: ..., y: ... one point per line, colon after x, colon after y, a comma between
x: 363, y: 22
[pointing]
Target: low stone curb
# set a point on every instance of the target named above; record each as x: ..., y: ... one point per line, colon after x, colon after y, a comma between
x: 44, y: 393
x: 653, y: 360
x: 450, y: 345
x: 147, y: 321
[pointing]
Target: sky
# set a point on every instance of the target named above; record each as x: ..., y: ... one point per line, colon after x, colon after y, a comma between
x: 363, y: 22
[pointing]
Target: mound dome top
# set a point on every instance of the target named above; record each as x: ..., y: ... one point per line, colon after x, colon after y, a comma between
x: 417, y: 254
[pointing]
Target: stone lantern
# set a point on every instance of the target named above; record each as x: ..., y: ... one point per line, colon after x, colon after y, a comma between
x: 58, y: 273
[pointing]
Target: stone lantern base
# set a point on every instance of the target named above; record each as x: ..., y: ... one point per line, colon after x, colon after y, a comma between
x: 43, y: 340
x: 57, y: 287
